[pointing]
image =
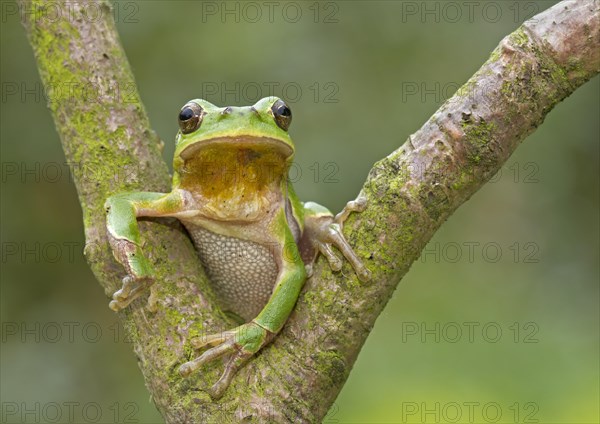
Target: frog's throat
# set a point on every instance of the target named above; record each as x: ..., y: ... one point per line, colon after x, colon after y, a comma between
x: 235, y: 180
x: 260, y: 145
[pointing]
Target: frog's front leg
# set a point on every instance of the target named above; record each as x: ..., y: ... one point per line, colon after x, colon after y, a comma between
x: 323, y: 230
x: 246, y: 340
x: 124, y: 237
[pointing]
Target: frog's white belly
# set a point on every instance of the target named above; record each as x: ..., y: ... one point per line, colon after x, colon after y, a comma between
x: 243, y: 273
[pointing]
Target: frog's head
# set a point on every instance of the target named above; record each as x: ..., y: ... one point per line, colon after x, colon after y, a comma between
x: 234, y: 134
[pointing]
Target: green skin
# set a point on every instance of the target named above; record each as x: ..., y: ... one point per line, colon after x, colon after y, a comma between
x: 260, y: 214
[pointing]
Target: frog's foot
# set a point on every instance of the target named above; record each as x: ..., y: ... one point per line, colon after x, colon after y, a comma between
x: 242, y: 343
x: 132, y: 289
x: 327, y: 232
x: 357, y: 205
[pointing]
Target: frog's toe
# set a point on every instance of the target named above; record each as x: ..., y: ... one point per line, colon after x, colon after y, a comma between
x: 117, y: 305
x: 119, y: 295
x: 127, y: 287
x: 358, y: 205
x: 364, y: 274
x: 120, y: 304
x: 212, y: 340
x: 211, y: 354
x: 335, y: 263
x: 336, y: 238
x: 131, y: 290
x: 233, y: 365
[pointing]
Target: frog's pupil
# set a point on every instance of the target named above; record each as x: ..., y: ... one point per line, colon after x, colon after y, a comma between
x: 283, y: 110
x: 186, y: 114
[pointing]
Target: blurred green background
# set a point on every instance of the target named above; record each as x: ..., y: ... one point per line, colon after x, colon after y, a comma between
x: 497, y: 322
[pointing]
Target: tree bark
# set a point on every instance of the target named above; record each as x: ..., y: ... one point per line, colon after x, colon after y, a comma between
x: 410, y: 193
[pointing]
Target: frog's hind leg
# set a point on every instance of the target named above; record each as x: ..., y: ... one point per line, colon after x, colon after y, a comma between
x: 322, y: 231
x: 243, y: 342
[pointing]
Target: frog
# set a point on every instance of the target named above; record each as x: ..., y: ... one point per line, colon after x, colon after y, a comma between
x: 257, y: 241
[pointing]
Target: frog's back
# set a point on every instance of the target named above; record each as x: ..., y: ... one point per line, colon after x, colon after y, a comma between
x: 242, y: 272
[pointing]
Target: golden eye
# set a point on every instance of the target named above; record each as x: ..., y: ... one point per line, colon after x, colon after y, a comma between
x: 282, y: 114
x: 190, y: 117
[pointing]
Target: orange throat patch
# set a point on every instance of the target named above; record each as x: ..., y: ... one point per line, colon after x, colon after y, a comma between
x: 234, y: 182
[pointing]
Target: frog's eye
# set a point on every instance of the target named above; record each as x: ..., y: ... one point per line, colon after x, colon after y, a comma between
x: 190, y: 117
x: 282, y: 114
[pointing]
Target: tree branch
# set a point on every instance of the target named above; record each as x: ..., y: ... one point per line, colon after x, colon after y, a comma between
x: 411, y: 193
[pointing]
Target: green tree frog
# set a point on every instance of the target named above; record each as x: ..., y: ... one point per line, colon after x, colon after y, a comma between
x: 256, y: 240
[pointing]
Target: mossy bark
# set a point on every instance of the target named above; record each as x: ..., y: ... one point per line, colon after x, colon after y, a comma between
x: 411, y: 193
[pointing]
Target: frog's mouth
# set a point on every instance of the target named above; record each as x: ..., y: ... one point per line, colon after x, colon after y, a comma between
x: 255, y: 146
